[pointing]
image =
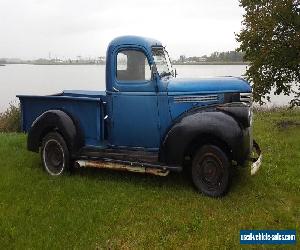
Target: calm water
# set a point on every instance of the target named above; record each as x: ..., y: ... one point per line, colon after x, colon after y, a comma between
x: 49, y: 79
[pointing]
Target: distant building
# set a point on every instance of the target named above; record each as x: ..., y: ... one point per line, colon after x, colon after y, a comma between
x: 100, y: 60
x: 182, y: 59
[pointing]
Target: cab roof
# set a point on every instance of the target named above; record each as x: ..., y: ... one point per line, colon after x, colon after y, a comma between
x: 134, y: 40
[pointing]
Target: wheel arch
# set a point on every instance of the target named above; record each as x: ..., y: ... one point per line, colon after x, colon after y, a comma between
x: 206, y: 139
x: 58, y: 121
x: 196, y: 129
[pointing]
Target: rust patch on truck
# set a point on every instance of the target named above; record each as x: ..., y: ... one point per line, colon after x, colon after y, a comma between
x: 122, y: 167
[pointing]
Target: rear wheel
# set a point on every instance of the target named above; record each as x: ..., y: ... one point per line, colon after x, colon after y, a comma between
x: 211, y: 171
x: 55, y: 154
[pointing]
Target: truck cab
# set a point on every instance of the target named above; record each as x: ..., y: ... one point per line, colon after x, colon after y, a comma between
x: 147, y: 120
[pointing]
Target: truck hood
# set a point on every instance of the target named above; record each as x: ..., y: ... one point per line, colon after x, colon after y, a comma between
x: 207, y: 85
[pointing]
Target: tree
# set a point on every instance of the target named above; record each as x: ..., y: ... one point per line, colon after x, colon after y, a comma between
x: 270, y: 39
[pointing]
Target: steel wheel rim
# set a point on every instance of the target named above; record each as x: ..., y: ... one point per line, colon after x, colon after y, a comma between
x: 53, y: 157
x: 210, y: 171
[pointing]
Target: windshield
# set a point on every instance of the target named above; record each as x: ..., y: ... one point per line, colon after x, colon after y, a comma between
x: 162, y: 61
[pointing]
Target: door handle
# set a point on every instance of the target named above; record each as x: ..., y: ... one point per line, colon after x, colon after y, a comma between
x: 115, y: 89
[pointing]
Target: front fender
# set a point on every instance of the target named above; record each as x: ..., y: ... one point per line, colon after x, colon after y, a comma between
x: 55, y: 120
x: 198, y: 124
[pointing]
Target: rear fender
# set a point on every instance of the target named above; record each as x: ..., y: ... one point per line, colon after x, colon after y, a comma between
x: 55, y: 120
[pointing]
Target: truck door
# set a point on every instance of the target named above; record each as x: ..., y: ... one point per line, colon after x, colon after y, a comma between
x: 134, y: 102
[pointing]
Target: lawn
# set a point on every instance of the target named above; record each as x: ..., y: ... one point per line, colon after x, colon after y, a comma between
x: 104, y: 209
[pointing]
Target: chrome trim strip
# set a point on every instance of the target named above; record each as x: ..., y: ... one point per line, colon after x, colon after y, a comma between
x: 246, y: 97
x: 202, y: 98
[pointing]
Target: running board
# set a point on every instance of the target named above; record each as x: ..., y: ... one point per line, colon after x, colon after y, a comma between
x: 138, y: 167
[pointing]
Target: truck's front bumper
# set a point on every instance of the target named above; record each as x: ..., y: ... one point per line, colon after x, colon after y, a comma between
x: 256, y: 161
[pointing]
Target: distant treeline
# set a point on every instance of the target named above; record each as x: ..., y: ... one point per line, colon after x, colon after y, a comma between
x: 220, y: 57
x: 228, y: 56
x: 54, y: 61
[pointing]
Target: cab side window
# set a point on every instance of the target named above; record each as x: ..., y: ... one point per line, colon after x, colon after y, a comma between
x: 132, y: 65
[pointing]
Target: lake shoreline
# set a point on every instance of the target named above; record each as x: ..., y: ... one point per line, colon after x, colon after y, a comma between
x: 183, y: 64
x: 213, y: 63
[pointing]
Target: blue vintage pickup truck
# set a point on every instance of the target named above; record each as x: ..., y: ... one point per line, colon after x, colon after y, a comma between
x: 146, y: 121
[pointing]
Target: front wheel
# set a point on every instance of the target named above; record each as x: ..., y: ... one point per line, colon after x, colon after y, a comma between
x: 55, y: 154
x: 211, y: 171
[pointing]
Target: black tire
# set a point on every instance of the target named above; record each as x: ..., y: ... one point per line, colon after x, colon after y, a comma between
x: 55, y: 154
x: 211, y: 171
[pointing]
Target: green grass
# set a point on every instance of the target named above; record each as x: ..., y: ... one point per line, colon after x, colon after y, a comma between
x: 104, y: 209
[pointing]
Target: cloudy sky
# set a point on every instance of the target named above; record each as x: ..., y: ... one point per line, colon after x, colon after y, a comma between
x: 68, y: 28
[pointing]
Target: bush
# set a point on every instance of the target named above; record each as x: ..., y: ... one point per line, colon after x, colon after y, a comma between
x: 10, y: 120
